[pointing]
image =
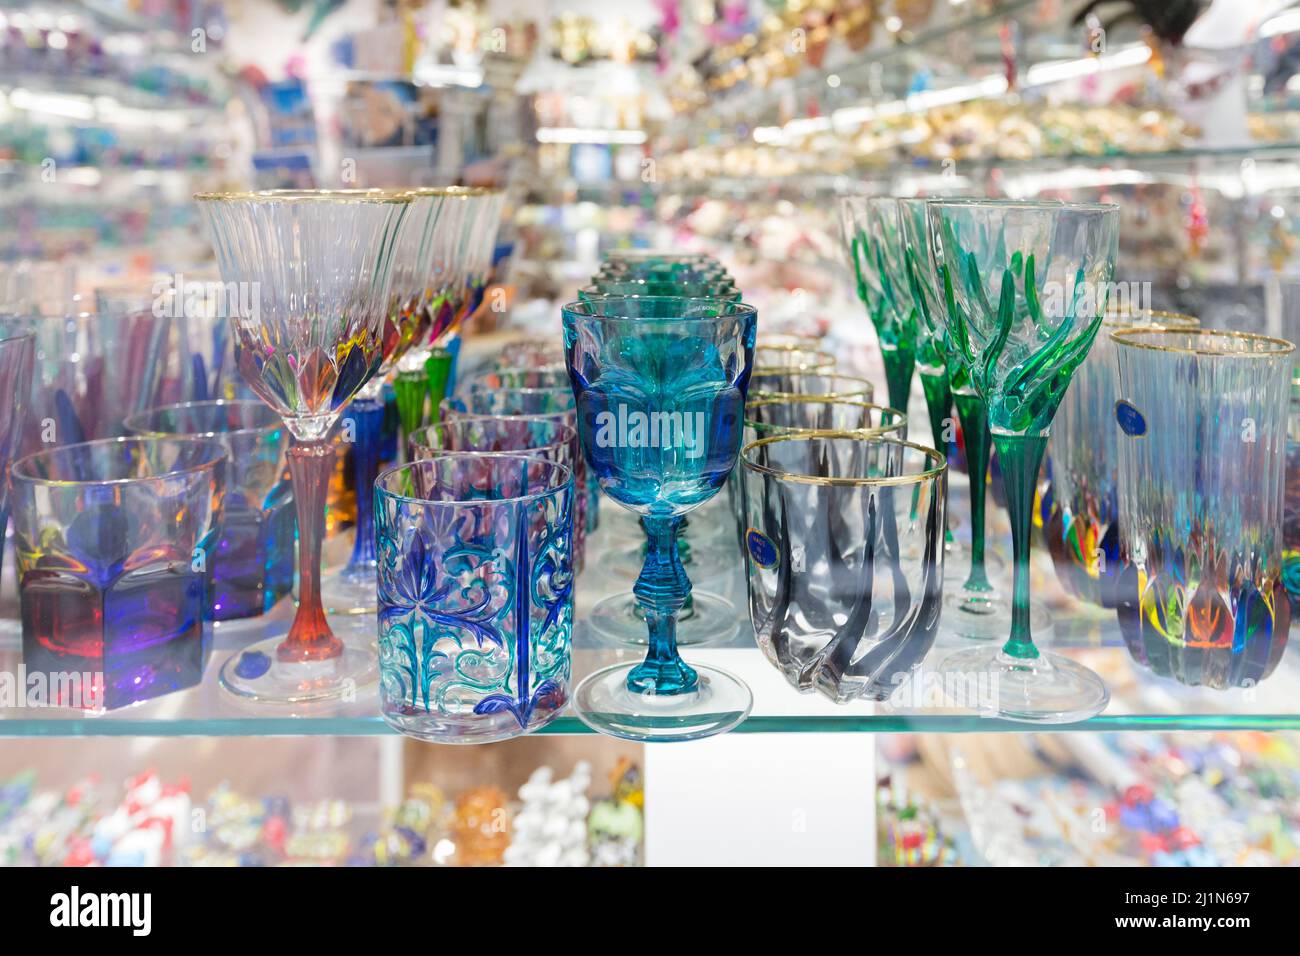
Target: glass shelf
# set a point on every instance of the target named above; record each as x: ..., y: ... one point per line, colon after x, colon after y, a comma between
x: 955, y: 48
x: 1139, y: 701
x: 882, y: 175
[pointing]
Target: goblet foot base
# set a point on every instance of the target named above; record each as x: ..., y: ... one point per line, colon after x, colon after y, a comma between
x: 710, y: 620
x: 254, y: 673
x: 351, y: 590
x: 468, y: 729
x: 1051, y: 689
x: 605, y: 704
x: 971, y: 616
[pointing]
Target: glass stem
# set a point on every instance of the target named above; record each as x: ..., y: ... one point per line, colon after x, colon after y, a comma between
x: 1020, y: 456
x: 310, y: 637
x: 437, y: 369
x: 975, y: 430
x: 938, y: 401
x: 899, y: 364
x: 411, y: 389
x: 662, y: 589
x: 368, y: 418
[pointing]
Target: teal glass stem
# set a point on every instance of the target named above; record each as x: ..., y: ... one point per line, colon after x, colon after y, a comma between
x: 900, y: 363
x: 662, y: 590
x: 975, y: 429
x: 938, y: 403
x: 1021, y: 457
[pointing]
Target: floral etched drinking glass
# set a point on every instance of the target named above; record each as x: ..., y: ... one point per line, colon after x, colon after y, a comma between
x: 475, y: 595
x: 1026, y: 286
x: 408, y: 319
x: 115, y: 542
x: 532, y: 394
x: 869, y: 224
x: 253, y: 562
x: 660, y: 386
x: 322, y: 262
x: 844, y: 537
x: 1082, y: 528
x: 547, y: 438
x: 1202, y: 417
x: 17, y: 354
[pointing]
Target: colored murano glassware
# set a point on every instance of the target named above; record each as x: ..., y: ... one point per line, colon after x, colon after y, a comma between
x: 408, y: 320
x: 475, y: 595
x: 1202, y: 419
x: 115, y: 542
x: 253, y: 560
x: 1025, y: 286
x: 546, y: 438
x: 1082, y: 527
x: 660, y: 385
x: 463, y: 244
x: 706, y: 617
x: 322, y: 262
x: 844, y: 539
x: 91, y: 370
x: 530, y: 393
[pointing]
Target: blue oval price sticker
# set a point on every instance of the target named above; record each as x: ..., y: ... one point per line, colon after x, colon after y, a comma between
x: 761, y: 548
x: 1130, y: 419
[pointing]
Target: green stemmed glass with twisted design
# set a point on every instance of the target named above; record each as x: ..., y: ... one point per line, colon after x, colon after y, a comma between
x: 975, y: 608
x: 869, y: 225
x: 1025, y: 286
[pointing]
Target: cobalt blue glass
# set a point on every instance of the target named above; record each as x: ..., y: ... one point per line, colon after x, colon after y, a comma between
x: 660, y: 386
x: 475, y: 594
x: 254, y: 560
x: 115, y: 542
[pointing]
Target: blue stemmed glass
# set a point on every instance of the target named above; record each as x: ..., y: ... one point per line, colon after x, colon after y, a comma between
x: 660, y: 384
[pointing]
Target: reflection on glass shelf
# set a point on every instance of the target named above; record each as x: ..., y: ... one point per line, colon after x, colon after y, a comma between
x: 1138, y: 699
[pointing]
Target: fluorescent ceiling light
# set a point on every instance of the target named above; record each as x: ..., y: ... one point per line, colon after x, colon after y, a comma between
x: 572, y: 134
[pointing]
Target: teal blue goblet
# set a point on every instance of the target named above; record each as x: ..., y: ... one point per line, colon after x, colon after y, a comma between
x: 660, y: 385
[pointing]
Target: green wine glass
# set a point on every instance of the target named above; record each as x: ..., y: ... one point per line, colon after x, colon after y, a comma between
x: 1025, y: 286
x: 869, y: 224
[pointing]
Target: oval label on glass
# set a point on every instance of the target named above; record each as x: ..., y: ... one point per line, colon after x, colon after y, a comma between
x: 1130, y: 419
x: 761, y: 548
